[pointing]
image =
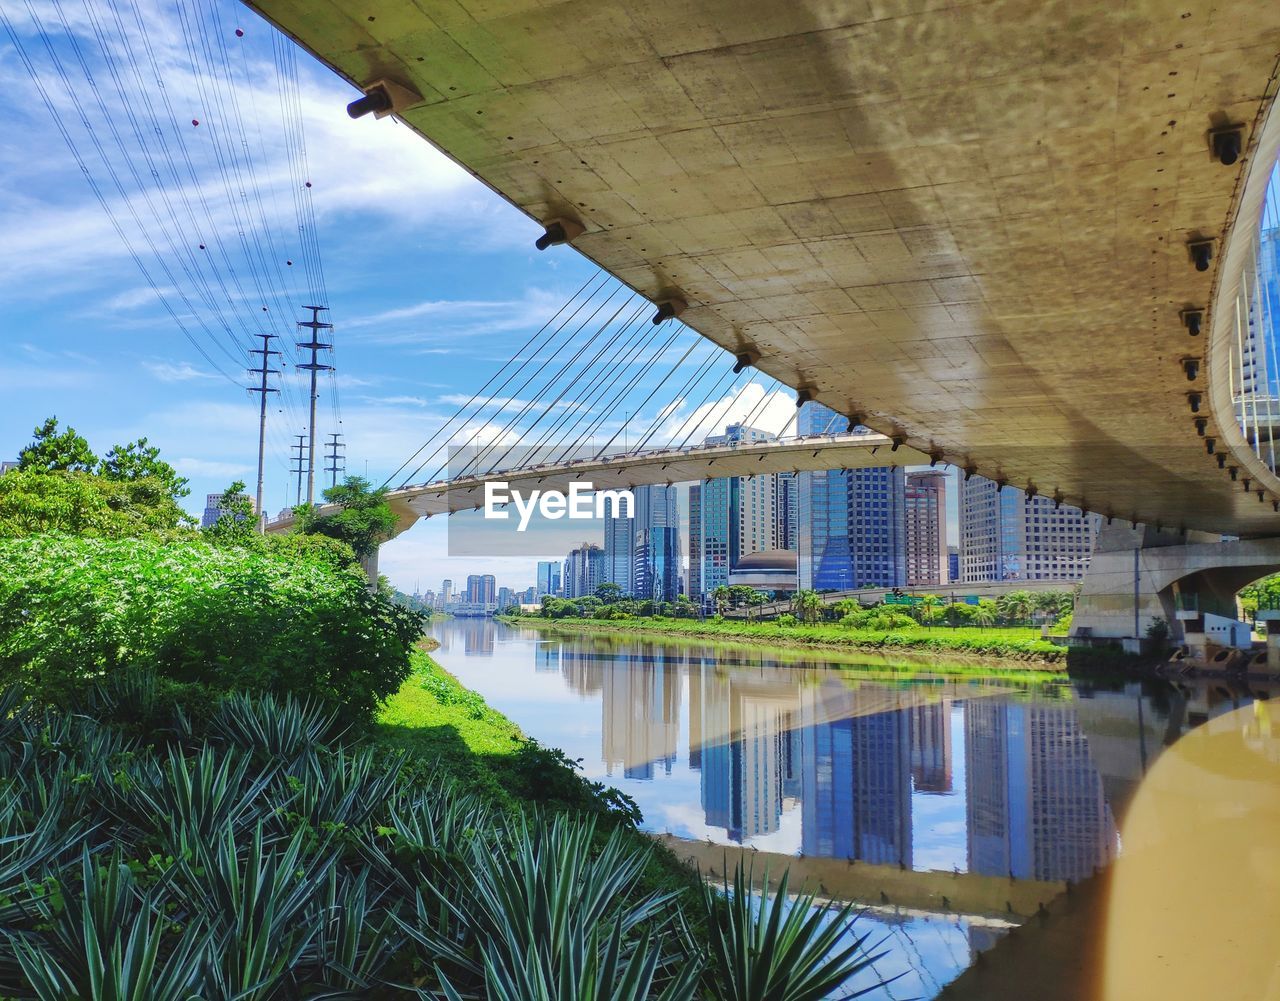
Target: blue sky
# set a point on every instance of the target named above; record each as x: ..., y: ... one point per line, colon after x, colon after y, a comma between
x: 130, y: 318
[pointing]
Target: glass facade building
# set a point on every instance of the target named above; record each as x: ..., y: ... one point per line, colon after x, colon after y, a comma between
x: 850, y: 524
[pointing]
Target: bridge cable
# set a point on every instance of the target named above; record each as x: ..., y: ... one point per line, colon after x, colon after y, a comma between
x: 728, y: 403
x: 669, y: 409
x: 577, y: 382
x: 582, y: 407
x: 528, y: 346
x: 611, y: 407
x: 648, y: 399
x: 627, y: 354
x: 692, y: 417
x: 666, y: 412
x: 599, y: 332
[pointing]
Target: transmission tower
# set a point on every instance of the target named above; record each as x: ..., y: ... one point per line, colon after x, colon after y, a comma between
x: 314, y: 325
x: 262, y: 389
x: 300, y: 466
x: 335, y: 453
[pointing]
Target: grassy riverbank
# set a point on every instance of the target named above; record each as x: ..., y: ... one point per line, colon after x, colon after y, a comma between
x: 439, y: 721
x: 1021, y: 645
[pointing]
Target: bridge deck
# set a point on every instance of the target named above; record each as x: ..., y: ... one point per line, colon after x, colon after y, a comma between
x: 967, y: 222
x: 633, y: 469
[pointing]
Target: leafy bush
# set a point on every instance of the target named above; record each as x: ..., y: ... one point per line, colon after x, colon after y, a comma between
x: 81, y: 503
x: 880, y: 619
x: 73, y: 610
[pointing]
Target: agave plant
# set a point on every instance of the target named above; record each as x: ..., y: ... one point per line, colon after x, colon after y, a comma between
x: 775, y: 947
x: 256, y: 898
x: 355, y: 941
x: 112, y: 942
x: 281, y: 730
x: 189, y: 802
x: 537, y: 910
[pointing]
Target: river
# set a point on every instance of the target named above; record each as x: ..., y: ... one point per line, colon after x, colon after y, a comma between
x: 896, y: 789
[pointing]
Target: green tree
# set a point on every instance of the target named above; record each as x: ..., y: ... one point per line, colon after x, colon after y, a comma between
x: 609, y: 592
x: 720, y: 598
x: 929, y: 608
x: 1017, y: 606
x: 985, y: 612
x: 808, y: 604
x: 35, y: 501
x: 364, y: 520
x: 138, y: 460
x: 57, y: 451
x: 235, y: 515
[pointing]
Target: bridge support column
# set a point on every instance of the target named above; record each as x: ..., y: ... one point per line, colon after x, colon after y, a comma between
x: 370, y: 564
x: 1138, y: 576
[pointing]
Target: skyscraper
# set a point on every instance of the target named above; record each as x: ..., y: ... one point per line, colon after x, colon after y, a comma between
x: 850, y: 524
x: 926, y: 520
x: 878, y: 526
x: 1006, y: 535
x: 620, y: 548
x: 825, y: 558
x: 482, y: 589
x: 583, y: 570
x: 655, y: 570
x: 695, y: 541
x: 737, y: 515
x: 788, y: 509
x: 548, y: 577
x: 1035, y: 807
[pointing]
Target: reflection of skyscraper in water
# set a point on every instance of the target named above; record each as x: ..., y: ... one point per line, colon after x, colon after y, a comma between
x: 478, y: 637
x: 930, y: 732
x: 856, y: 786
x: 581, y: 670
x: 1035, y: 805
x: 641, y: 707
x: 546, y: 656
x: 744, y: 754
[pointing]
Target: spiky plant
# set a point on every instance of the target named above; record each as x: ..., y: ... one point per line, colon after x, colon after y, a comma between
x: 777, y: 947
x: 539, y: 910
x: 277, y: 729
x: 111, y: 942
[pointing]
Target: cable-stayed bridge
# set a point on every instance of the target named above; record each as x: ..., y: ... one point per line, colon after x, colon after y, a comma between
x: 643, y: 467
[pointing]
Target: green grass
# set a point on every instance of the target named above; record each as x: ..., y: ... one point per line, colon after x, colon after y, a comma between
x: 1017, y: 643
x: 434, y: 718
x: 437, y: 720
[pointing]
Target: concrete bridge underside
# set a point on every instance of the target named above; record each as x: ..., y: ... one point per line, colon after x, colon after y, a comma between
x: 967, y: 223
x: 1137, y: 576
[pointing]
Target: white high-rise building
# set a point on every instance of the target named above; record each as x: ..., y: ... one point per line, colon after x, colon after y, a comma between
x: 1006, y: 535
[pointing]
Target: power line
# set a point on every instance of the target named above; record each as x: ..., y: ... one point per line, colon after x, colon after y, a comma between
x: 262, y: 390
x: 315, y: 325
x: 299, y: 457
x: 335, y: 454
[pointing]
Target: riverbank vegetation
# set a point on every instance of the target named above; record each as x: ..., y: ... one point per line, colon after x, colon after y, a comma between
x: 1018, y: 644
x: 225, y: 771
x: 922, y: 623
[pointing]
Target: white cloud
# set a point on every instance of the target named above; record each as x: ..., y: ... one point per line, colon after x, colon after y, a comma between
x: 179, y: 371
x: 228, y: 183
